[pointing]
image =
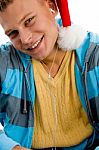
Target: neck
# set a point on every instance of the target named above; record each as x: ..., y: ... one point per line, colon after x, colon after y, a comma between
x: 52, y: 63
x: 50, y: 57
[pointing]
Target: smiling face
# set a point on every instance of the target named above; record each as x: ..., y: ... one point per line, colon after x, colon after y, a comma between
x: 31, y: 26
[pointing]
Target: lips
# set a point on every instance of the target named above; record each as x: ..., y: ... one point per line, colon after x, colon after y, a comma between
x: 36, y: 44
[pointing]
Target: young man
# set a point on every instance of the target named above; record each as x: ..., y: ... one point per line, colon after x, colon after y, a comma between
x: 48, y: 95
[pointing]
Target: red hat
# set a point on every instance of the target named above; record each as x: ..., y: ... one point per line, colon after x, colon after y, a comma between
x: 64, y: 12
x: 70, y: 36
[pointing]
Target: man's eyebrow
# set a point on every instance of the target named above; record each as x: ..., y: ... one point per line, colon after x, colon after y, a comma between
x: 24, y: 17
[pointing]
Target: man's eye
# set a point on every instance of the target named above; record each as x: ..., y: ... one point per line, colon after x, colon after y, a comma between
x: 12, y: 34
x: 29, y: 21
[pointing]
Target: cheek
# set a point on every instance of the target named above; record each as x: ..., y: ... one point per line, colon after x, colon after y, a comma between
x: 53, y: 33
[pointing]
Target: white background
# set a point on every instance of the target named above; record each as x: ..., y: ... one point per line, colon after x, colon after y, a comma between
x: 83, y: 12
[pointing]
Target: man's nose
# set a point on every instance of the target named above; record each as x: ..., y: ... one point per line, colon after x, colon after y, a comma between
x: 26, y: 37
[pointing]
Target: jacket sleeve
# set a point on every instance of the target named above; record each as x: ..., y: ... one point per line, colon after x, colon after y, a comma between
x: 6, y: 143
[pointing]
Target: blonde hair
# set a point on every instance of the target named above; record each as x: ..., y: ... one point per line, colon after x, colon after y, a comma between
x: 4, y: 4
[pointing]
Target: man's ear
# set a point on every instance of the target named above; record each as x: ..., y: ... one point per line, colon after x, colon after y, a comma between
x: 52, y: 6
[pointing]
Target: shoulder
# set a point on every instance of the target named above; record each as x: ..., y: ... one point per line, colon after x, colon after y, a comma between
x: 5, y: 49
x: 94, y: 37
x: 90, y: 39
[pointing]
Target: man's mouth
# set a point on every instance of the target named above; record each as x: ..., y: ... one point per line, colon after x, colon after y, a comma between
x: 36, y: 44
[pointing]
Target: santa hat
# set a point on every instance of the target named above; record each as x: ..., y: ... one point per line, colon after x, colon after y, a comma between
x: 70, y: 36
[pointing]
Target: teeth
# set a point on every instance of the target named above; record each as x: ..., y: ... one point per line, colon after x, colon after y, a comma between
x: 36, y: 44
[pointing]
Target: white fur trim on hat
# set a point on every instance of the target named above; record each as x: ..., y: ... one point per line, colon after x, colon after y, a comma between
x: 71, y: 37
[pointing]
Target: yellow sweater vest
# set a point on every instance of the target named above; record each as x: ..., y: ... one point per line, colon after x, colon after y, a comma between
x: 59, y: 118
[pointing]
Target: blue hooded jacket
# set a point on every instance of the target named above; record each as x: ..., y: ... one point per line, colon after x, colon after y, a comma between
x: 17, y: 92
